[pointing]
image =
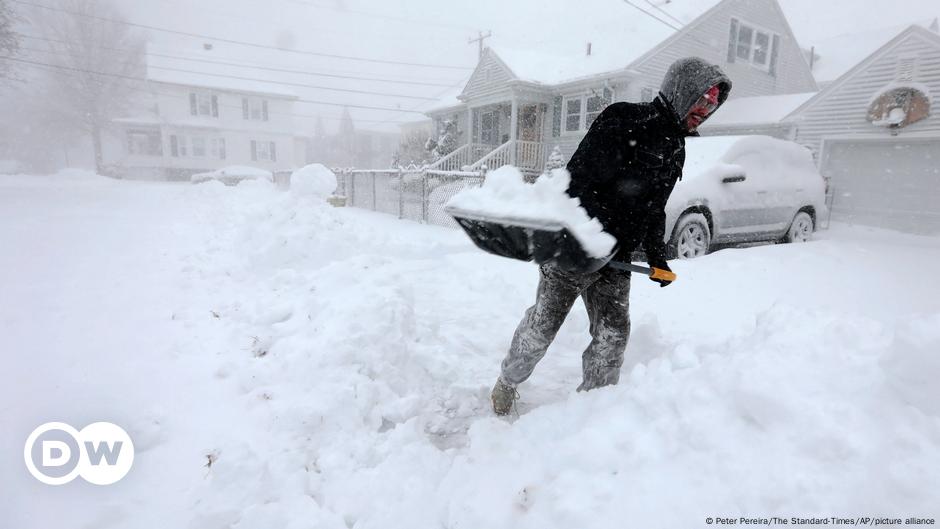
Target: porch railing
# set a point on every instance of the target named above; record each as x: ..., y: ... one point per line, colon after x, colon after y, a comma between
x: 461, y: 157
x: 498, y: 157
x: 530, y: 155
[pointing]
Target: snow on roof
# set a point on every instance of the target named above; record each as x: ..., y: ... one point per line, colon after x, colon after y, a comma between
x: 756, y: 110
x: 840, y: 53
x: 845, y: 32
x: 619, y: 34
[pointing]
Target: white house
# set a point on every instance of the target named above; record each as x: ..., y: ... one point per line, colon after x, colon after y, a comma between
x: 191, y: 123
x: 521, y: 103
x: 877, y: 137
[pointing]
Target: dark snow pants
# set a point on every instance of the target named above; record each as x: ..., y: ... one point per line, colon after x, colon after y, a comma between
x: 606, y: 296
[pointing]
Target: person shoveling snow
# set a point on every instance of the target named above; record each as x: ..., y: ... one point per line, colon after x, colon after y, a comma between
x: 622, y: 175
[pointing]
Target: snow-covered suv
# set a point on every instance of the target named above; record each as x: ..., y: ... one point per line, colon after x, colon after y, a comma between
x: 737, y: 189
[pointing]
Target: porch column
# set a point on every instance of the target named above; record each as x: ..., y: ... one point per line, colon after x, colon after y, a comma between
x: 469, y: 125
x: 513, y: 129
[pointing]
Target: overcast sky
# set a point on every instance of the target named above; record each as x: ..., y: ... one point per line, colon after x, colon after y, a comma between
x: 432, y: 32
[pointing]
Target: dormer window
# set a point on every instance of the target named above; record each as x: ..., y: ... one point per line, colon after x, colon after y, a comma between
x: 752, y: 44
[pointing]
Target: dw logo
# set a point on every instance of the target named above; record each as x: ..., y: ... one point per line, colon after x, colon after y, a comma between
x: 101, y: 453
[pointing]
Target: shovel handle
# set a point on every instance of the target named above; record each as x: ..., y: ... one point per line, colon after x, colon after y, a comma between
x: 654, y: 273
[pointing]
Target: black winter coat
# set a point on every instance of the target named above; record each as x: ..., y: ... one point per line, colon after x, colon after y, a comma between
x: 624, y: 171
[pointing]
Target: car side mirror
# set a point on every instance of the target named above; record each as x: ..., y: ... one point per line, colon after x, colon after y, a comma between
x: 733, y: 178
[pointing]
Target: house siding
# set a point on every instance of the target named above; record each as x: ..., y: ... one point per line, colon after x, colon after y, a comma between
x: 842, y: 110
x: 792, y: 72
x: 478, y: 85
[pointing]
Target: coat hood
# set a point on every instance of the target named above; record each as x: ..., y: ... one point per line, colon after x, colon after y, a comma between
x: 688, y: 79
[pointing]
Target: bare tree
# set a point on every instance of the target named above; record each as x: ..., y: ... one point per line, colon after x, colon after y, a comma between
x: 9, y: 43
x: 95, y: 67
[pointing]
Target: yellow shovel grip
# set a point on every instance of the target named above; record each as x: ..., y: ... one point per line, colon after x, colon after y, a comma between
x: 666, y: 275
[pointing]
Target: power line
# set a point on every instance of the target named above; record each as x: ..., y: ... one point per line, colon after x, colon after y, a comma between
x: 255, y: 79
x: 237, y: 42
x: 638, y: 8
x: 153, y: 91
x: 246, y: 65
x: 376, y: 15
x: 663, y: 11
x: 132, y: 78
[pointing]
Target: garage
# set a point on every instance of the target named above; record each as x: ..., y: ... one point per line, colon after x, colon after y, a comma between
x: 889, y: 183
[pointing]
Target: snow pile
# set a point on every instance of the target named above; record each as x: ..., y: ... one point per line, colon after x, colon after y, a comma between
x: 291, y: 360
x: 314, y: 179
x: 506, y: 195
x: 233, y: 174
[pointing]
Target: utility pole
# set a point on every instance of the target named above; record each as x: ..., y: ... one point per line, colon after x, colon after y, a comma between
x: 480, y: 40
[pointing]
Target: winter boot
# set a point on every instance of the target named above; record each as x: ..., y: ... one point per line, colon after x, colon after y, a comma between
x: 503, y: 396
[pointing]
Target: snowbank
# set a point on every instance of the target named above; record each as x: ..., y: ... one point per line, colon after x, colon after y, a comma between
x: 506, y: 195
x: 314, y: 179
x: 323, y: 355
x: 233, y: 174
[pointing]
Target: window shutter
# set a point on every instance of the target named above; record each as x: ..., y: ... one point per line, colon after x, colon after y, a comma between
x: 254, y: 151
x: 215, y: 106
x: 273, y: 152
x: 773, y: 55
x: 174, y: 146
x: 221, y: 148
x: 556, y: 117
x: 608, y: 96
x: 732, y: 39
x: 192, y: 103
x: 264, y: 110
x: 245, y: 108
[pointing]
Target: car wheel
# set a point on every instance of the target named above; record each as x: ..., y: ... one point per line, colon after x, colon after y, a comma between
x: 692, y: 236
x: 801, y: 230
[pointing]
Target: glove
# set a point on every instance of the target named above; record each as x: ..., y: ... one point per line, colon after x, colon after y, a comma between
x: 662, y: 266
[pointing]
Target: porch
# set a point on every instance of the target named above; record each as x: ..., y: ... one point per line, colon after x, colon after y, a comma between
x: 508, y: 132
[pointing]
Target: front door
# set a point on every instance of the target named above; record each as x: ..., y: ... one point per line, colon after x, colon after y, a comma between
x: 489, y: 128
x: 530, y: 123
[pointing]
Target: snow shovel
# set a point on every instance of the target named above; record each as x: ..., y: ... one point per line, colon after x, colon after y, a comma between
x: 542, y: 242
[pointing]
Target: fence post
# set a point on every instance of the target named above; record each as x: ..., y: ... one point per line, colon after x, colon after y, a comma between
x: 374, y: 207
x: 350, y: 185
x: 401, y: 193
x: 424, y: 196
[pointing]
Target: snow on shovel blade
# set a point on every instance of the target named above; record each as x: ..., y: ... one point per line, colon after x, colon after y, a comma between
x: 527, y: 240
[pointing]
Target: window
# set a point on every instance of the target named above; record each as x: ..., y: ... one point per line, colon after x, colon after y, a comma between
x: 203, y: 104
x: 199, y: 146
x: 595, y: 104
x: 751, y: 44
x: 217, y: 148
x: 254, y: 109
x: 573, y: 115
x: 145, y: 142
x: 580, y: 111
x: 263, y: 151
x: 646, y: 95
x: 182, y: 146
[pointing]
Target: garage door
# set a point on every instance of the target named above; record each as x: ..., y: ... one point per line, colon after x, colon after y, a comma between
x: 890, y: 184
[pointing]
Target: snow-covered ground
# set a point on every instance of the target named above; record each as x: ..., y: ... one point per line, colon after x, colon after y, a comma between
x: 334, y: 366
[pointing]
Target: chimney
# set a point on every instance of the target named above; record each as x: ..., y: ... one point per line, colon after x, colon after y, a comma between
x: 589, y: 48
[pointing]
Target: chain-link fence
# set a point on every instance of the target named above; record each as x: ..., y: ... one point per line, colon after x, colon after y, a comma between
x: 414, y: 194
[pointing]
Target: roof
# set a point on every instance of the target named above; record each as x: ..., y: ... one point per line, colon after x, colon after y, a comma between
x: 838, y: 54
x: 756, y: 110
